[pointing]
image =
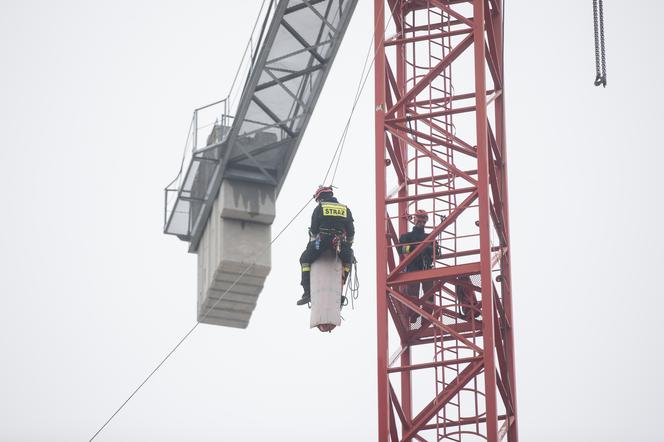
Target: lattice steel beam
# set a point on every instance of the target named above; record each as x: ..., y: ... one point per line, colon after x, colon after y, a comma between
x: 456, y: 172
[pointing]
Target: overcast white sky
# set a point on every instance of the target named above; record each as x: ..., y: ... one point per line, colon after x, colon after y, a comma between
x: 95, y: 101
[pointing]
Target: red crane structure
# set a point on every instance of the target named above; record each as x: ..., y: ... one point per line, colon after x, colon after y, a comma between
x: 445, y: 356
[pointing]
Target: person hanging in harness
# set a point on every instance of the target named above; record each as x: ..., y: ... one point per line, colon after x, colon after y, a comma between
x: 331, y: 228
x: 424, y: 261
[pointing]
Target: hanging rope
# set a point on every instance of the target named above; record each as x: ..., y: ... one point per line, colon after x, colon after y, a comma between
x: 352, y: 285
x: 366, y: 71
x: 600, y: 55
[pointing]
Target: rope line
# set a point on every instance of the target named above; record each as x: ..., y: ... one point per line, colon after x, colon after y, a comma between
x: 144, y: 381
x: 360, y: 88
x: 204, y: 316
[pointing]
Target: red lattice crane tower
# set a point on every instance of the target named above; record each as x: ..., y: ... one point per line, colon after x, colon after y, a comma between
x: 445, y: 355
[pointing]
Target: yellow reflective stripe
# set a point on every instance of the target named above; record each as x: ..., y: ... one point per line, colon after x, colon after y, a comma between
x: 331, y: 209
x: 408, y: 248
x: 306, y: 268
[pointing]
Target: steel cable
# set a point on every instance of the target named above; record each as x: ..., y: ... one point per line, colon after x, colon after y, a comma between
x: 600, y: 52
x: 338, y: 150
x: 360, y: 88
x: 198, y: 323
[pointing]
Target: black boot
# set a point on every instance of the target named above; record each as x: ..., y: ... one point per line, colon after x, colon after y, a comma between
x: 306, y: 285
x: 305, y: 299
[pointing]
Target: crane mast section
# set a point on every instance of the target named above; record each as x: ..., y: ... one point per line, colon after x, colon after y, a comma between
x: 440, y: 142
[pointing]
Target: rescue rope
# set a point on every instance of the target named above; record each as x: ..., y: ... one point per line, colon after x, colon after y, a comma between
x: 352, y: 285
x: 360, y: 88
x: 249, y: 267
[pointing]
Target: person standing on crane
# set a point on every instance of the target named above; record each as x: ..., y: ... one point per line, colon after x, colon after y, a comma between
x: 470, y: 306
x: 424, y: 261
x: 331, y: 228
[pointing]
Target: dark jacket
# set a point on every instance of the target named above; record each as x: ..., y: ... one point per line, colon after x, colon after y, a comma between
x: 408, y: 242
x: 332, y: 217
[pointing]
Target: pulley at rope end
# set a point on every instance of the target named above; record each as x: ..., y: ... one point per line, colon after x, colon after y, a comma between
x: 600, y: 80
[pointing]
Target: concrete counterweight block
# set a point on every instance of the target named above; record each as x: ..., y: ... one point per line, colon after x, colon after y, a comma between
x: 234, y: 255
x: 326, y: 292
x: 247, y: 201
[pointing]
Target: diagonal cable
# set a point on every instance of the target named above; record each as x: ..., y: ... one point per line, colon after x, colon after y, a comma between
x: 198, y: 323
x: 360, y: 88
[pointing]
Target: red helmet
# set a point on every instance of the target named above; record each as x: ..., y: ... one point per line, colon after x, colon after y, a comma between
x: 321, y: 190
x: 420, y: 215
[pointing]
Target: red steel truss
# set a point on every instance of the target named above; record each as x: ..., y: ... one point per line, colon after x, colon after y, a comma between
x: 445, y: 355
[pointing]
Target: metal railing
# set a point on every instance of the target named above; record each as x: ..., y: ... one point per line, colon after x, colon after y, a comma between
x: 208, y: 129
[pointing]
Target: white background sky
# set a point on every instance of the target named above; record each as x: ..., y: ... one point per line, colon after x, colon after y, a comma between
x: 95, y: 102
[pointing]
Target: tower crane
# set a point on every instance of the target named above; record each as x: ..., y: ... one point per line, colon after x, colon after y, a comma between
x: 440, y: 150
x: 441, y: 144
